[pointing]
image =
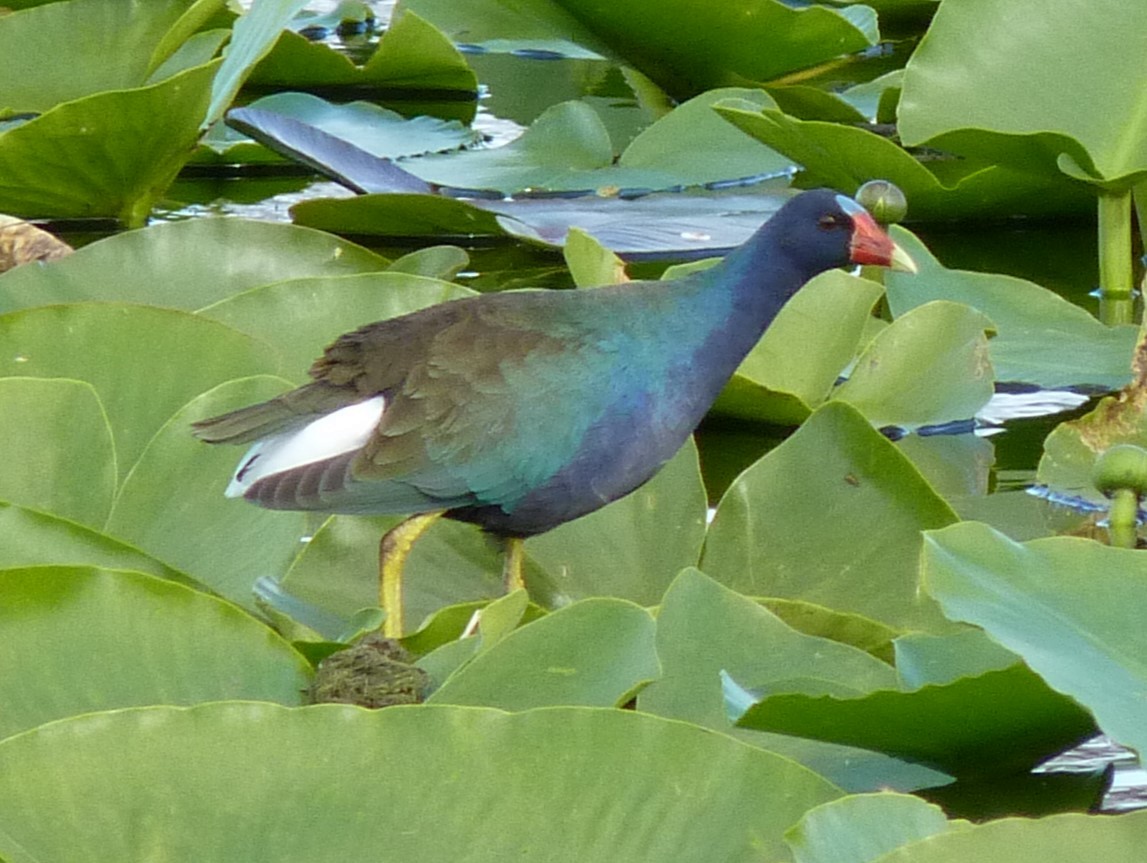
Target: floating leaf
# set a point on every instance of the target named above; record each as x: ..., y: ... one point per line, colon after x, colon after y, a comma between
x: 300, y: 317
x: 64, y: 162
x: 999, y: 722
x: 686, y: 794
x: 411, y: 54
x: 860, y: 828
x: 144, y: 363
x: 831, y: 516
x: 79, y: 639
x: 845, y: 157
x: 186, y: 265
x: 596, y: 652
x: 1041, y: 338
x: 979, y: 84
x: 58, y: 449
x: 802, y: 354
x: 171, y: 504
x: 931, y: 366
x: 704, y: 629
x: 1068, y: 606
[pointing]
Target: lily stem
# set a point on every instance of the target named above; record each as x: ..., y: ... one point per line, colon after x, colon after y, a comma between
x: 1123, y: 518
x: 1115, y: 270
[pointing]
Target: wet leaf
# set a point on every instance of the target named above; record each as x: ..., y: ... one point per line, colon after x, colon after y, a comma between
x: 79, y: 639
x: 688, y: 794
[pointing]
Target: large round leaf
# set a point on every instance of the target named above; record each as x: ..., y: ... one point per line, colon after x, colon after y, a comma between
x: 186, y: 265
x: 1041, y: 338
x: 78, y: 639
x: 110, y: 154
x: 30, y: 538
x: 1069, y: 606
x: 704, y: 629
x: 171, y: 504
x: 258, y: 782
x: 596, y: 652
x: 930, y: 366
x: 832, y: 516
x: 984, y: 81
x: 144, y: 363
x: 58, y: 451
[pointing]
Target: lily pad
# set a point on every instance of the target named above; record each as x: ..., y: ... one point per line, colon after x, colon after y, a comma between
x: 729, y: 45
x: 688, y: 794
x: 31, y: 538
x: 931, y: 366
x: 596, y: 652
x: 1041, y: 338
x: 185, y: 265
x: 979, y: 84
x: 1066, y: 605
x: 704, y: 629
x: 860, y: 828
x: 63, y: 164
x: 144, y: 363
x: 845, y: 157
x: 96, y: 30
x: 369, y: 127
x: 831, y: 516
x: 58, y: 447
x: 412, y: 54
x: 171, y: 503
x: 995, y: 723
x: 79, y: 639
x: 300, y: 317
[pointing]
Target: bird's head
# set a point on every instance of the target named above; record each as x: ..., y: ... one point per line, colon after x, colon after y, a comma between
x: 822, y: 229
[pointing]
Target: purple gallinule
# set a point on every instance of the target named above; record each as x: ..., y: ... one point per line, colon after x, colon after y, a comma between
x: 522, y: 410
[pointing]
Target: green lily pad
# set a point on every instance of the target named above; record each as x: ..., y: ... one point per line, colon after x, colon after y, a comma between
x: 171, y: 504
x: 728, y: 45
x: 64, y: 164
x: 802, y: 354
x: 1071, y: 836
x: 79, y: 639
x: 58, y: 449
x: 831, y: 516
x: 981, y: 83
x: 96, y: 30
x: 931, y: 366
x: 998, y: 722
x: 1041, y: 338
x: 596, y: 652
x: 253, y: 36
x: 845, y: 157
x: 704, y: 629
x: 1066, y: 605
x: 687, y: 794
x: 373, y: 129
x: 30, y: 538
x: 412, y: 54
x: 185, y: 265
x: 300, y: 317
x: 144, y: 363
x: 861, y: 828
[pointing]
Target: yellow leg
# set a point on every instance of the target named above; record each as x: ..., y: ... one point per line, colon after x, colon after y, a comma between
x: 514, y: 550
x: 392, y: 554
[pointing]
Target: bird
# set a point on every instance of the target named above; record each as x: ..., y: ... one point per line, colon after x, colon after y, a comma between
x: 521, y: 410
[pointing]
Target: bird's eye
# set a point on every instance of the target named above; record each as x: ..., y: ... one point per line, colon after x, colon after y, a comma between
x: 829, y: 221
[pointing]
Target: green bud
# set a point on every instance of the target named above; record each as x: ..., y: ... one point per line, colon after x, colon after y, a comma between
x: 1123, y: 466
x: 883, y: 200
